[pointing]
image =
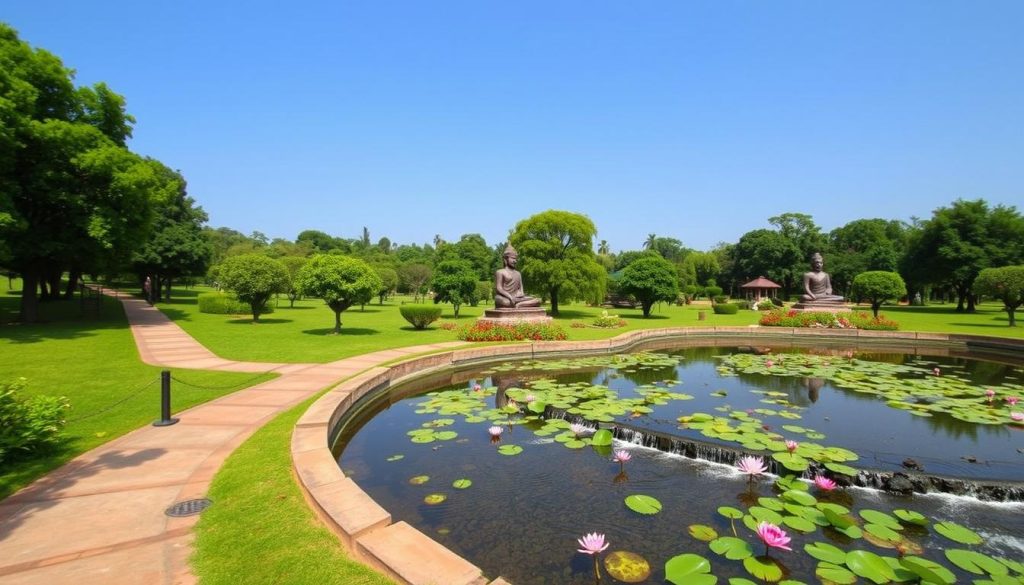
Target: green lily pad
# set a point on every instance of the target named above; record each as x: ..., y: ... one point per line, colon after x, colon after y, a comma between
x: 831, y: 573
x: 732, y: 548
x: 801, y: 497
x: 461, y: 484
x: 799, y: 524
x: 771, y: 503
x: 689, y: 569
x: 643, y: 504
x: 870, y: 566
x: 445, y: 435
x: 730, y: 512
x: 627, y: 567
x: 764, y: 568
x: 957, y: 533
x: 423, y: 438
x: 824, y: 551
x: 741, y: 581
x: 703, y: 532
x: 976, y: 562
x: 602, y: 437
x: 840, y: 468
x: 510, y: 449
x: 765, y: 515
x: 419, y: 479
x: 876, y: 517
x: 791, y: 461
x: 883, y: 532
x: 911, y: 517
x: 929, y: 571
x: 434, y: 499
x: 396, y: 458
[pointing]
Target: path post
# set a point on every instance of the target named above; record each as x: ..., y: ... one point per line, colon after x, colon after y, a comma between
x: 165, y: 401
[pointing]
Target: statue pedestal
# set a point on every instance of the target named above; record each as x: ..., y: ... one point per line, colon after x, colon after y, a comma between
x: 820, y: 307
x: 511, y: 316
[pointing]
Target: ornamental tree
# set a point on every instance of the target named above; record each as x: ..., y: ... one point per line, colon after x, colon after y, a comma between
x: 340, y: 281
x: 454, y: 282
x: 650, y: 279
x: 878, y: 286
x: 1006, y: 284
x: 293, y: 264
x: 253, y: 278
x: 556, y: 255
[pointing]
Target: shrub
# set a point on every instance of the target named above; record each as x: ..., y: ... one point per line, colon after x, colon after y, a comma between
x: 419, y: 316
x: 28, y: 425
x: 726, y: 308
x: 719, y: 299
x: 765, y: 305
x: 490, y: 331
x: 218, y: 303
x: 606, y: 321
x: 712, y: 291
x: 449, y: 325
x: 858, y: 320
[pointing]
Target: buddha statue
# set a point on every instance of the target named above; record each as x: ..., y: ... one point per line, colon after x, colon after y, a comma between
x: 508, y: 285
x: 817, y: 284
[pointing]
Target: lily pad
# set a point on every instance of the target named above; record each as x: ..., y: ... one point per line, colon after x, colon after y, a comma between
x: 801, y: 497
x: 396, y: 458
x: 911, y: 517
x: 730, y: 512
x: 957, y: 533
x: 461, y: 484
x: 732, y: 548
x: 434, y: 499
x: 870, y: 566
x: 643, y: 504
x: 764, y: 568
x: 824, y: 551
x: 976, y: 562
x: 419, y: 479
x: 928, y: 570
x: 510, y: 449
x: 627, y: 567
x: 830, y: 573
x: 876, y: 517
x: 883, y: 533
x: 703, y: 532
x: 799, y: 524
x: 602, y: 437
x: 689, y: 569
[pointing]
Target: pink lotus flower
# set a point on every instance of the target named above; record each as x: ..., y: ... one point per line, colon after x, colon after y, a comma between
x: 990, y: 393
x: 476, y: 387
x: 824, y: 483
x: 1013, y: 400
x: 578, y: 429
x: 769, y: 363
x: 621, y: 456
x: 495, y: 431
x: 530, y: 398
x: 773, y: 537
x: 937, y: 371
x: 752, y: 466
x: 1017, y: 416
x: 791, y: 446
x: 592, y: 543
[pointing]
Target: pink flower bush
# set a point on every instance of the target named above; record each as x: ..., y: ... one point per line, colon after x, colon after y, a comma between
x: 752, y: 466
x: 824, y: 483
x: 990, y: 393
x: 773, y: 537
x: 592, y: 543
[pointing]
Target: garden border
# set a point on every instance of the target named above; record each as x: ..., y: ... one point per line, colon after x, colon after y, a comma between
x: 411, y: 557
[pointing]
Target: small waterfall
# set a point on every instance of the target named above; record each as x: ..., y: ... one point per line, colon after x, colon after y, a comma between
x: 888, y: 481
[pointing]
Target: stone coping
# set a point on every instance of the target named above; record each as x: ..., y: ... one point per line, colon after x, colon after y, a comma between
x: 410, y: 557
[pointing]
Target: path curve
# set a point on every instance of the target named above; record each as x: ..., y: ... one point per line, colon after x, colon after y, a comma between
x: 100, y: 518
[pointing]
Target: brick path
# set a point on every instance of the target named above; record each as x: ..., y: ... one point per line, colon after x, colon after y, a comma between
x: 100, y: 518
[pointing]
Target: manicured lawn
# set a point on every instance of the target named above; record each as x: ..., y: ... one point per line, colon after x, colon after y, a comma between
x: 260, y: 528
x: 92, y: 361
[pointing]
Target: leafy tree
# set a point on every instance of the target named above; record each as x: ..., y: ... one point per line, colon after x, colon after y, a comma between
x: 484, y: 291
x: 223, y: 239
x: 767, y: 253
x: 389, y: 281
x: 650, y: 241
x: 670, y: 249
x: 650, y: 279
x: 603, y: 248
x: 557, y: 255
x: 705, y: 266
x: 320, y: 241
x: 253, y: 278
x: 454, y: 282
x: 959, y: 241
x: 878, y: 286
x: 414, y: 277
x: 340, y: 281
x: 1006, y: 284
x: 384, y: 245
x: 473, y: 249
x: 293, y: 264
x: 627, y: 257
x: 862, y: 245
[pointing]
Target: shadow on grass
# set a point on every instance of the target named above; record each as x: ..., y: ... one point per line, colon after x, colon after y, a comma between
x: 641, y: 317
x: 287, y: 308
x: 345, y: 331
x: 1004, y: 325
x: 573, y: 314
x: 174, y: 314
x: 58, y: 320
x: 262, y: 321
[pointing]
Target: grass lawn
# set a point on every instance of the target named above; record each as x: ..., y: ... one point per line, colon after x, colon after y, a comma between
x: 92, y: 361
x: 259, y: 509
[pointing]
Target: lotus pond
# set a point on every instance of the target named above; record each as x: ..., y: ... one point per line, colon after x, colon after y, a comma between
x: 488, y: 463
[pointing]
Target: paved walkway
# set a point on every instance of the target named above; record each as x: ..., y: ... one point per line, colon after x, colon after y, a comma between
x: 100, y: 518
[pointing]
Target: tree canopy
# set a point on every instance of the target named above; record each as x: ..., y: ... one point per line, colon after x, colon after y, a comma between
x: 1005, y: 283
x: 650, y: 279
x: 340, y: 281
x: 254, y: 278
x: 877, y: 287
x: 454, y: 282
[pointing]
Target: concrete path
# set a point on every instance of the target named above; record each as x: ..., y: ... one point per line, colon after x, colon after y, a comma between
x: 100, y: 518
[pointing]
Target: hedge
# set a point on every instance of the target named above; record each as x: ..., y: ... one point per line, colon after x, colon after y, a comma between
x: 419, y: 316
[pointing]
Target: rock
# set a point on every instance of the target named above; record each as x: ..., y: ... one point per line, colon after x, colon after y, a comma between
x: 912, y: 464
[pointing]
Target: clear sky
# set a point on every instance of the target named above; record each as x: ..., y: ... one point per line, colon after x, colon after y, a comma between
x: 694, y: 120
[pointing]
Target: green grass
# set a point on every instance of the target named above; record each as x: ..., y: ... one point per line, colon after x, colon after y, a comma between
x: 258, y: 508
x: 92, y: 360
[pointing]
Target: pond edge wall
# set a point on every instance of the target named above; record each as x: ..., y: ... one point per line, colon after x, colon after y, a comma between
x: 410, y: 557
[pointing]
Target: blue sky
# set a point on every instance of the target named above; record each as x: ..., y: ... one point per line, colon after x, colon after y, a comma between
x: 695, y: 120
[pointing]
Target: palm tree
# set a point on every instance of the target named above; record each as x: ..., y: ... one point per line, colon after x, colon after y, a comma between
x: 649, y: 244
x: 602, y: 248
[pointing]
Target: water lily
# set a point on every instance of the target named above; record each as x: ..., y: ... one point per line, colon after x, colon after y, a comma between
x: 530, y: 398
x: 621, y: 456
x: 773, y: 537
x: 791, y: 445
x: 1017, y: 416
x: 990, y: 393
x: 578, y: 429
x: 495, y: 431
x: 937, y: 371
x: 592, y: 544
x: 824, y: 483
x: 769, y: 363
x: 1013, y: 400
x: 752, y: 466
x: 477, y: 387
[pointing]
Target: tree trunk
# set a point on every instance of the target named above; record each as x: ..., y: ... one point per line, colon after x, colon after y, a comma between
x: 73, y: 277
x: 337, y: 322
x: 29, y: 301
x: 1009, y: 311
x: 647, y: 309
x: 970, y: 302
x: 554, y: 301
x: 168, y: 297
x: 456, y: 306
x: 54, y: 277
x: 960, y: 294
x: 874, y: 308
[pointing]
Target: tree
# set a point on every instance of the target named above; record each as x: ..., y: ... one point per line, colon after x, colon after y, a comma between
x: 705, y: 266
x: 293, y: 264
x: 389, y: 281
x: 770, y: 254
x: 1006, y: 284
x: 253, y: 278
x: 556, y: 248
x: 650, y: 241
x: 415, y: 277
x: 603, y: 248
x: 878, y: 286
x: 320, y: 241
x: 862, y: 245
x: 473, y: 249
x: 340, y: 281
x: 650, y: 279
x: 454, y: 282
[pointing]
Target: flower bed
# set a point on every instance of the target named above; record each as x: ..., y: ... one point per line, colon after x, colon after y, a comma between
x: 857, y: 320
x: 488, y: 331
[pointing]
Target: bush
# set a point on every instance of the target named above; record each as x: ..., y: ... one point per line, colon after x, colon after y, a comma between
x: 726, y: 308
x: 765, y: 305
x: 217, y: 303
x: 28, y: 425
x: 490, y: 331
x: 858, y: 320
x: 719, y: 299
x: 419, y: 316
x: 606, y: 321
x: 712, y: 291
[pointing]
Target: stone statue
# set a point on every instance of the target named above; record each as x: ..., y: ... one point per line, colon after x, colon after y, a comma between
x: 508, y: 285
x: 817, y: 284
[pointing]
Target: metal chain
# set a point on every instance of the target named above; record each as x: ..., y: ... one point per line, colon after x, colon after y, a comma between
x: 116, y: 404
x: 228, y: 387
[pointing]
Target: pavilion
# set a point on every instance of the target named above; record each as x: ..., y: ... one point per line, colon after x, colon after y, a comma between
x: 760, y: 288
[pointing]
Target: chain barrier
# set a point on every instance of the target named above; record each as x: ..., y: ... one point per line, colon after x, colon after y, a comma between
x: 241, y: 384
x: 114, y: 405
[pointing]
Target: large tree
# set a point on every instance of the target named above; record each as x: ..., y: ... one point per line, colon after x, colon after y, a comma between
x: 961, y: 240
x: 1005, y: 283
x: 414, y: 278
x: 862, y: 245
x: 340, y: 281
x: 253, y: 278
x: 454, y: 282
x: 877, y: 287
x: 473, y: 249
x: 770, y: 254
x: 650, y: 279
x: 557, y: 256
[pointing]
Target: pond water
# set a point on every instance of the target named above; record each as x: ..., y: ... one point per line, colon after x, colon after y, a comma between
x: 515, y: 504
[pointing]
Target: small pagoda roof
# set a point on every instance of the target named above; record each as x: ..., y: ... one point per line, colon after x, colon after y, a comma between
x: 760, y: 282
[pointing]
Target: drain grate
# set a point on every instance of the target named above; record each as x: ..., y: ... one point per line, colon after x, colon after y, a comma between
x: 188, y: 507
